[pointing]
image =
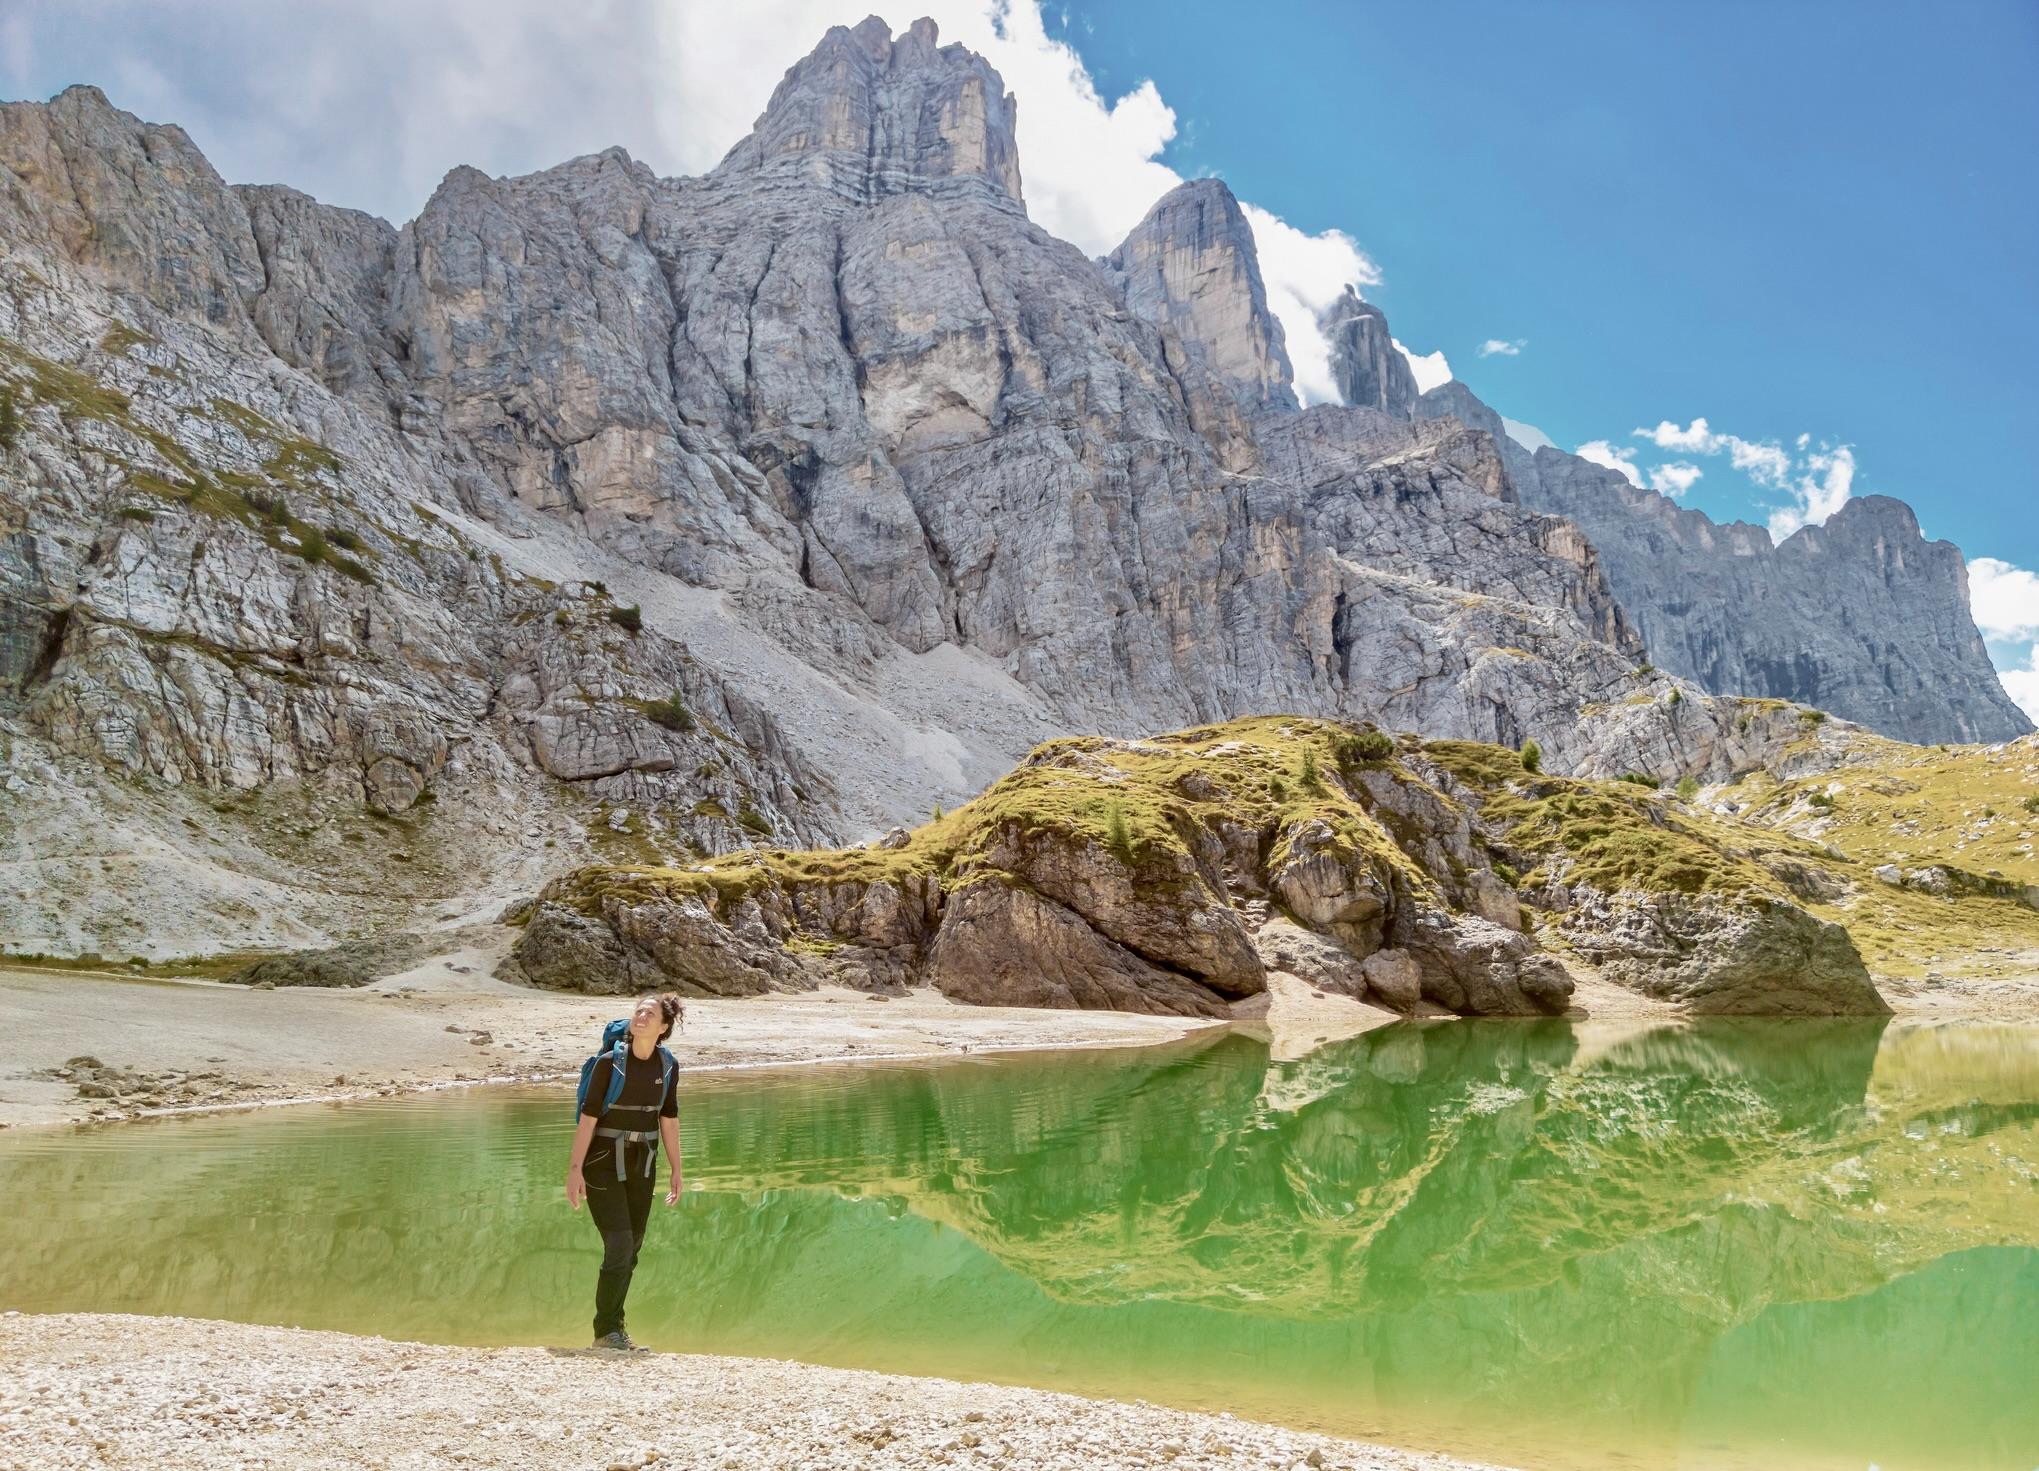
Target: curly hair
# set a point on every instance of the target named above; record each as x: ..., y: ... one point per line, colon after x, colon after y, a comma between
x: 670, y: 1007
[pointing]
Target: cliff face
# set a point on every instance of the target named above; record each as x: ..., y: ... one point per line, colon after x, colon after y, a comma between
x: 1861, y: 616
x: 1370, y: 370
x: 1191, y: 265
x: 870, y: 116
x: 831, y: 451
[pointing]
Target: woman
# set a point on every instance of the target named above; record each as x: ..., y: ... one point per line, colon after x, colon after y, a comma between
x: 615, y: 1150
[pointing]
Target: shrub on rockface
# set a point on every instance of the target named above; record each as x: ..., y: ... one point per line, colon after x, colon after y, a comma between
x: 671, y: 712
x: 1358, y: 747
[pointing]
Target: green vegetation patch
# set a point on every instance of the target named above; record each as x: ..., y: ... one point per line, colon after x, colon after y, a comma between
x: 1144, y: 801
x: 671, y: 712
x: 257, y: 501
x: 1613, y: 835
x: 1617, y: 841
x: 73, y: 394
x: 120, y: 339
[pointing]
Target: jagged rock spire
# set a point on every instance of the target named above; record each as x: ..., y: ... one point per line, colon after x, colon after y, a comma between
x: 1191, y: 265
x: 871, y: 116
x: 1369, y: 369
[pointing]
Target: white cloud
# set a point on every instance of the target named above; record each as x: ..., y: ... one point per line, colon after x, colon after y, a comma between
x: 1600, y: 452
x: 1430, y: 368
x: 366, y: 103
x: 1528, y: 436
x: 2005, y: 599
x: 1495, y: 347
x: 2022, y: 685
x: 1674, y: 479
x: 1669, y: 436
x: 1818, y: 481
x: 1304, y: 275
x: 1825, y: 487
x: 1763, y: 462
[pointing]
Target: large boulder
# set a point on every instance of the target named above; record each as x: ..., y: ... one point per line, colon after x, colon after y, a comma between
x: 1328, y: 886
x: 1475, y: 967
x: 1753, y: 956
x: 1002, y: 945
x: 634, y: 942
x: 1152, y: 901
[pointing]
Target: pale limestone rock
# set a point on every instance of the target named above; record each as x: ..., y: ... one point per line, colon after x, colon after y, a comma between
x: 1369, y: 369
x: 1190, y: 266
x: 869, y: 115
x: 1004, y: 945
x: 1861, y: 616
x: 1720, y: 956
x: 1395, y: 977
x: 1325, y: 964
x: 904, y: 484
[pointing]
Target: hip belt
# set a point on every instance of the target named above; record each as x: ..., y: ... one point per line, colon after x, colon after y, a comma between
x: 630, y: 1136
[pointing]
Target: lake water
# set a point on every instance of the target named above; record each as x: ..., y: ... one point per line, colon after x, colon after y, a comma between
x: 1748, y: 1244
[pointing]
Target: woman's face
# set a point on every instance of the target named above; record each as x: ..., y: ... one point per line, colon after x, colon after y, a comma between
x: 648, y: 1020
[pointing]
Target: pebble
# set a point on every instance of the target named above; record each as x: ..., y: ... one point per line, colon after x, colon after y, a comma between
x: 199, y: 1396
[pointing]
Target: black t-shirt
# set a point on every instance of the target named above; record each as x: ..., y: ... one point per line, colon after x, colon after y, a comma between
x: 638, y: 1105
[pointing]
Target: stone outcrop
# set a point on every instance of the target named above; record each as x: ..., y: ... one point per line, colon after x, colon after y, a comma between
x: 1171, y: 875
x: 1655, y: 898
x: 1124, y: 875
x: 1190, y: 266
x: 871, y: 116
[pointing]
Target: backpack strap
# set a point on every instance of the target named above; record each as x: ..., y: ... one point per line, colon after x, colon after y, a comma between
x: 672, y: 1069
x: 619, y: 1061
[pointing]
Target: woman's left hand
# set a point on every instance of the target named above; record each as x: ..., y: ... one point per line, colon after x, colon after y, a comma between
x: 673, y: 1194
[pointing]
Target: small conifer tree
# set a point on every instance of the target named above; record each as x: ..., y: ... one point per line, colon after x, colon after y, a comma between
x: 1117, y: 834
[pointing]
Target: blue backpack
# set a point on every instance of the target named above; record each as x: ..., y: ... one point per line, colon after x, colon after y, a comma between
x: 616, y: 1047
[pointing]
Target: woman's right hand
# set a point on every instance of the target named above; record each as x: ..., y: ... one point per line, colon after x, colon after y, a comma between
x: 576, y: 1186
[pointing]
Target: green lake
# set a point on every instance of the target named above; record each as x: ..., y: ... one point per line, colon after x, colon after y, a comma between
x: 1746, y: 1244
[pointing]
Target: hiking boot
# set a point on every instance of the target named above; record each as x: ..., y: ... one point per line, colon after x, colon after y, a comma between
x: 620, y: 1341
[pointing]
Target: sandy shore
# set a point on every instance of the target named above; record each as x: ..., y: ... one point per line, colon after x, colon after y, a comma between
x: 169, y: 1046
x: 159, y: 1046
x: 91, y: 1390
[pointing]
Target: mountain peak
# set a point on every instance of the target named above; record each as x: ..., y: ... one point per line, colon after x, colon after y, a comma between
x: 871, y: 115
x: 1370, y: 370
x: 1191, y: 265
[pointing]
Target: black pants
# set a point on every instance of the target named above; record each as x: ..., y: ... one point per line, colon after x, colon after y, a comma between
x: 619, y: 1209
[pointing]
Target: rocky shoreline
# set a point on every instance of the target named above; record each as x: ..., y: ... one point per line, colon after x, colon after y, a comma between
x: 178, y: 1394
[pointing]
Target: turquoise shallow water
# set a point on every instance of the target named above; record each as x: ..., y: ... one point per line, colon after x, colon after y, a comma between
x: 1729, y: 1244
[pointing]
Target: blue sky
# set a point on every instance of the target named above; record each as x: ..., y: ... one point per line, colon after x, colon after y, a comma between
x: 1813, y: 218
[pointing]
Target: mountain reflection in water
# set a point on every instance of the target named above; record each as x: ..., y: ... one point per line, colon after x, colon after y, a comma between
x: 1721, y: 1244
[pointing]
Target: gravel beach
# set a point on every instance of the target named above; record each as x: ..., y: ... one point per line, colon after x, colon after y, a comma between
x: 178, y: 1394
